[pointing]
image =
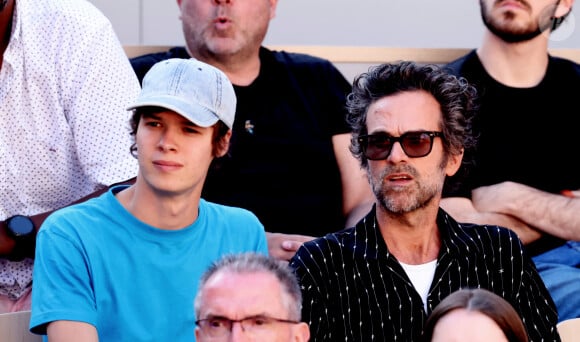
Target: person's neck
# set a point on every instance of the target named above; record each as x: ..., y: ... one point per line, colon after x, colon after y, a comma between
x: 170, y: 212
x: 5, y: 27
x: 412, y: 238
x: 519, y: 65
x: 242, y: 68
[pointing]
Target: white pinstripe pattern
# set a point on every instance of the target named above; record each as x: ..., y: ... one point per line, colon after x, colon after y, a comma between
x: 355, y: 290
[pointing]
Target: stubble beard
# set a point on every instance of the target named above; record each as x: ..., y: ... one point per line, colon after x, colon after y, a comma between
x: 504, y: 30
x: 210, y: 46
x: 399, y: 201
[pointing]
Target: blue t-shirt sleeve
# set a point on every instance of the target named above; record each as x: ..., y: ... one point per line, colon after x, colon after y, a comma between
x: 62, y: 284
x: 262, y: 244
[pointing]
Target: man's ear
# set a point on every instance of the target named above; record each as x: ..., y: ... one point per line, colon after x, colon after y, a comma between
x: 454, y: 163
x: 224, y: 144
x: 273, y: 5
x: 301, y: 332
x: 197, y: 333
x: 564, y: 7
x: 179, y: 6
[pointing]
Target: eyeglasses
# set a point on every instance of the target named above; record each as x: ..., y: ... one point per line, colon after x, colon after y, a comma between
x: 378, y: 146
x: 222, y: 326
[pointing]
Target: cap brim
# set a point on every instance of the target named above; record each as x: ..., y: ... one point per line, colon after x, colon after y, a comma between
x: 197, y: 114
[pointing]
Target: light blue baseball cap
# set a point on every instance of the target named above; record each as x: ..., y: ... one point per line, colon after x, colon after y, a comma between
x: 197, y: 91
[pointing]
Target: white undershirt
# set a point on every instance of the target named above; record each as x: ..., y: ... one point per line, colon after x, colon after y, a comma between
x: 421, y: 276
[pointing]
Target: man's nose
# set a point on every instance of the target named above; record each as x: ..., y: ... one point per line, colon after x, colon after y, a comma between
x: 238, y: 333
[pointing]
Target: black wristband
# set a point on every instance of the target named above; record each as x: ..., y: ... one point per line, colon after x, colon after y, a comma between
x: 22, y: 230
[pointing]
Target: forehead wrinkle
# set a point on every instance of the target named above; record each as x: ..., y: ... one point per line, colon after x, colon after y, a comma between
x: 225, y: 287
x: 404, y: 112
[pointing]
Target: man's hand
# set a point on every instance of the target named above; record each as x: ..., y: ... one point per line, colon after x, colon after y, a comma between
x: 284, y: 246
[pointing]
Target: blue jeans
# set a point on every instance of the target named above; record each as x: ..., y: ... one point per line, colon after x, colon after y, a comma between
x: 560, y: 270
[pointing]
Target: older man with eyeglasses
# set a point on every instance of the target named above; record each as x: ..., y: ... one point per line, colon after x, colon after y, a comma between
x: 249, y: 297
x: 379, y: 280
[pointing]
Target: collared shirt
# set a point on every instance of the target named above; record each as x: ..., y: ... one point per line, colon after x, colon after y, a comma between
x: 354, y: 289
x: 65, y: 84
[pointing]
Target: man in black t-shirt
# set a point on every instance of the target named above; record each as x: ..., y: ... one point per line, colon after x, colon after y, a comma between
x: 527, y: 161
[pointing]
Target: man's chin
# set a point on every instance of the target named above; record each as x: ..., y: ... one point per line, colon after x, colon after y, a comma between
x: 518, y: 37
x: 222, y: 46
x: 510, y: 34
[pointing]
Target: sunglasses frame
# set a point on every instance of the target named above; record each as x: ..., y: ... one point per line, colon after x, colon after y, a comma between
x: 363, y: 140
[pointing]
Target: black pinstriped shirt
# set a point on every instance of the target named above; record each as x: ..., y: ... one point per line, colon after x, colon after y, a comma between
x: 355, y: 290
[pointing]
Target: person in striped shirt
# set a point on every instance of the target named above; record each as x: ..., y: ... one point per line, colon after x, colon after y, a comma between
x: 379, y: 280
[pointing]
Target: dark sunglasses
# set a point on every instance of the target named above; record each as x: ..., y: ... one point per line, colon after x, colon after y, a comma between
x: 415, y: 144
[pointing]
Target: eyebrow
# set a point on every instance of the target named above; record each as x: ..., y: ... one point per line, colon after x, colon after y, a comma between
x: 263, y: 314
x: 411, y: 131
x: 149, y: 115
x: 216, y: 317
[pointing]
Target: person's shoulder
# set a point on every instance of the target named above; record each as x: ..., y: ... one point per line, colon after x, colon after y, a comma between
x: 298, y: 60
x: 342, y: 239
x: 329, y: 249
x: 230, y: 213
x: 100, y: 200
x: 564, y: 66
x: 71, y: 10
x: 87, y: 211
x: 491, y: 232
x: 459, y: 65
x: 314, y: 75
x: 462, y: 231
x: 152, y: 58
x: 71, y: 26
x: 141, y: 64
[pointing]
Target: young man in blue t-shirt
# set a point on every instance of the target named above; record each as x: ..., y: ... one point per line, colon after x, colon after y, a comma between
x: 125, y: 266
